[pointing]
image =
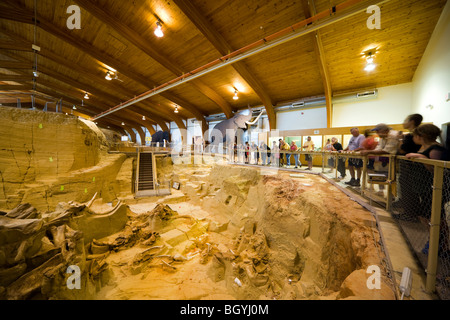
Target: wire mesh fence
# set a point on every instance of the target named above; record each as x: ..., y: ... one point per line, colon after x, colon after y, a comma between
x: 416, y: 198
x: 416, y: 192
x: 407, y: 188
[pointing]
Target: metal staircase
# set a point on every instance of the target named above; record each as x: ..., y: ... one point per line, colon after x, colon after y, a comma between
x: 146, y: 177
x: 147, y: 184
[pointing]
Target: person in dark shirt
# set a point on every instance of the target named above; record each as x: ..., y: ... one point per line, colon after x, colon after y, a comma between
x: 407, y: 197
x: 426, y: 136
x: 336, y: 146
x: 411, y: 123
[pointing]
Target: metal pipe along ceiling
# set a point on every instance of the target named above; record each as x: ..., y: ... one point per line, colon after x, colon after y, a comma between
x: 299, y: 29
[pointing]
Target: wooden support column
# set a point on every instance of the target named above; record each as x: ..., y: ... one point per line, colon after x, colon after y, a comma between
x: 310, y: 10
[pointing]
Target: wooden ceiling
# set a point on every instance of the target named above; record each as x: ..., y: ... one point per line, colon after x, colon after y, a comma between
x: 118, y: 36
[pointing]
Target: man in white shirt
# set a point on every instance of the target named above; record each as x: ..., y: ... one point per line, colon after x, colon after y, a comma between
x: 309, y: 146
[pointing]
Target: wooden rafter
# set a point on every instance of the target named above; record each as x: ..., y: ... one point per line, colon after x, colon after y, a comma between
x: 91, y: 109
x: 219, y: 42
x: 105, y: 96
x: 310, y: 10
x: 17, y: 78
x: 69, y: 38
x: 14, y: 45
x: 15, y: 65
x: 144, y: 46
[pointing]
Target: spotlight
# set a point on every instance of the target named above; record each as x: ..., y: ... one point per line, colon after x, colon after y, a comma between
x: 176, y: 109
x: 74, y: 108
x: 235, y: 97
x: 143, y: 117
x: 158, y: 31
x: 370, y: 66
x: 86, y: 96
x: 108, y: 76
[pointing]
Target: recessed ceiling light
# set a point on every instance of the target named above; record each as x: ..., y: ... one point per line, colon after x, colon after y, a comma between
x: 158, y: 31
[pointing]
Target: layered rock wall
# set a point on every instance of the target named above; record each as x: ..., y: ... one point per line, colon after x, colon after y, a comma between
x: 46, y: 158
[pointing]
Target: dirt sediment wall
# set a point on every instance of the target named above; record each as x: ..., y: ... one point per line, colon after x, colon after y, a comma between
x: 47, y: 157
x: 293, y: 240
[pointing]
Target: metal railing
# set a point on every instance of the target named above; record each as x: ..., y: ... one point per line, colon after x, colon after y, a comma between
x: 415, y: 191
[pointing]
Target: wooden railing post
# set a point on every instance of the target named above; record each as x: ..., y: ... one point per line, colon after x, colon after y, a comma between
x: 435, y: 221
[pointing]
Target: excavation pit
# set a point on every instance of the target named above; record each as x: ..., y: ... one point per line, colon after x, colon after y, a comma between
x: 243, y: 235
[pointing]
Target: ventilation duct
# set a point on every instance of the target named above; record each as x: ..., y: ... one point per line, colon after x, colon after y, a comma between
x: 300, y: 105
x: 355, y: 96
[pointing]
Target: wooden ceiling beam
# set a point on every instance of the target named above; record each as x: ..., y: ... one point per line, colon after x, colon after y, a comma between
x: 15, y: 65
x: 13, y: 45
x: 309, y: 9
x: 89, y: 109
x: 15, y: 13
x: 127, y: 116
x: 106, y: 97
x: 16, y: 78
x: 7, y: 87
x: 45, y: 53
x: 219, y: 42
x: 145, y: 47
x: 94, y: 53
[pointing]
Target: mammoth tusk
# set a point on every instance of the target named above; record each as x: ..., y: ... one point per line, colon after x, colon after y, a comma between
x: 257, y: 118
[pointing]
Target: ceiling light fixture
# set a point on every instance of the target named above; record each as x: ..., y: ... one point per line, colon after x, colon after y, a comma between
x: 123, y: 123
x: 86, y: 96
x: 74, y: 108
x: 235, y: 97
x: 370, y: 66
x: 108, y: 76
x: 158, y: 31
x: 176, y: 109
x: 143, y: 117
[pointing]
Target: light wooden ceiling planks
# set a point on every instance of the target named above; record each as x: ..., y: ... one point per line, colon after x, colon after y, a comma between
x: 75, y: 61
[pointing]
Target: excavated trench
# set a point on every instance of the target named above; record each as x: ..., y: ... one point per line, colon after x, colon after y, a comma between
x: 236, y: 233
x: 73, y: 229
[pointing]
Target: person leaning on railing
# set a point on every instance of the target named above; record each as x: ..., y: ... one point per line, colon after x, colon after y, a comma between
x: 355, y: 164
x: 336, y: 146
x: 426, y: 136
x: 408, y: 199
x: 388, y: 144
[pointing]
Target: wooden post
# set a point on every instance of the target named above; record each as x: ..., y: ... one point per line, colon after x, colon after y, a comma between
x: 336, y: 159
x: 364, y: 175
x: 434, y: 229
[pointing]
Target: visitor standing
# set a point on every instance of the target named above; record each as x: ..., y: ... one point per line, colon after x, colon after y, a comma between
x: 309, y: 146
x: 355, y: 144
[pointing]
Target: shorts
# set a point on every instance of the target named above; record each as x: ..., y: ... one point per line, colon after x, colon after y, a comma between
x: 308, y: 157
x: 358, y: 163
